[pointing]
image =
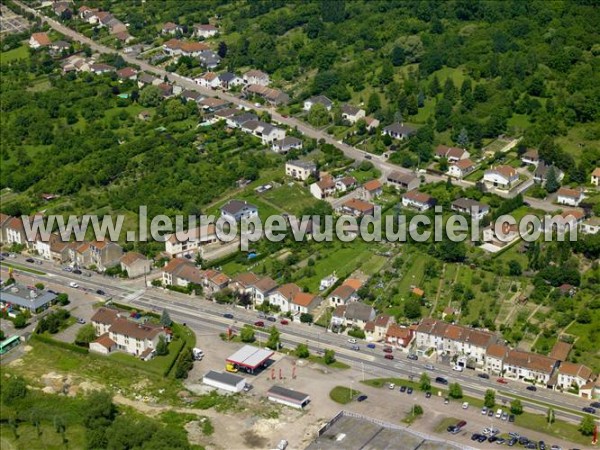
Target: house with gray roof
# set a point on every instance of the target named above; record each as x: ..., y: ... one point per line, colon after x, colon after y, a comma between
x: 321, y: 99
x: 238, y: 210
x: 399, y: 131
x: 33, y: 300
x: 286, y: 144
x: 354, y: 314
x: 209, y: 59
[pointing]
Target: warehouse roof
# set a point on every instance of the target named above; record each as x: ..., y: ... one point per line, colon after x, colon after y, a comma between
x: 224, y: 377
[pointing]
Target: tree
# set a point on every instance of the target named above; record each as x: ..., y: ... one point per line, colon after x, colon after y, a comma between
x: 550, y: 416
x: 85, y: 335
x: 273, y: 342
x: 374, y: 103
x: 247, y: 334
x: 20, y: 321
x: 62, y: 299
x: 165, y: 318
x: 162, y: 348
x: 329, y: 357
x: 150, y: 96
x: 199, y: 260
x: 434, y: 86
x: 222, y: 51
x: 99, y: 411
x: 463, y: 138
x: 184, y: 364
x: 516, y: 407
x: 552, y: 183
x: 586, y: 427
x: 305, y: 317
x: 514, y: 268
x: 398, y: 56
x: 424, y: 382
x: 13, y: 388
x: 386, y: 76
x: 455, y: 391
x: 489, y: 400
x: 39, y: 286
x: 412, y: 308
x: 302, y: 351
x: 318, y: 115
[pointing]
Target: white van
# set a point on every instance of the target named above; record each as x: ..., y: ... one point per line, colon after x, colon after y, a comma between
x: 498, y: 413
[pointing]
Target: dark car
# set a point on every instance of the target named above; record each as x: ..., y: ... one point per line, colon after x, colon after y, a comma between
x: 100, y: 292
x: 441, y: 380
x: 5, y: 254
x: 589, y: 410
x: 272, y: 319
x: 542, y: 445
x: 361, y: 398
x: 482, y: 438
x: 492, y: 439
x: 461, y: 424
x: 30, y: 260
x: 531, y: 445
x: 451, y: 429
x: 595, y: 405
x: 523, y: 440
x: 371, y: 345
x: 77, y: 272
x: 284, y: 322
x: 531, y: 388
x: 512, y: 442
x: 402, y: 388
x: 228, y: 315
x: 52, y: 292
x: 388, y: 356
x: 483, y: 375
x: 427, y: 394
x: 409, y: 390
x: 491, y: 412
x: 260, y: 323
x: 475, y: 436
x: 511, y: 418
x: 387, y: 349
x: 412, y: 356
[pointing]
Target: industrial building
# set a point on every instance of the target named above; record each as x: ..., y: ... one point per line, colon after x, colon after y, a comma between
x: 223, y: 380
x: 288, y: 397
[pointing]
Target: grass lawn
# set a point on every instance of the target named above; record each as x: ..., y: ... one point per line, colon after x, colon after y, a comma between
x: 559, y: 429
x: 335, y: 364
x: 343, y: 395
x: 519, y: 121
x: 292, y: 199
x: 48, y: 439
x: 475, y: 176
x: 578, y: 138
x: 23, y: 268
x: 17, y: 53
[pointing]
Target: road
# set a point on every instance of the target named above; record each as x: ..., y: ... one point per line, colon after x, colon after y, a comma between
x: 188, y: 309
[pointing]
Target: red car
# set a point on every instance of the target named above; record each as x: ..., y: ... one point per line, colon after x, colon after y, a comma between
x: 284, y: 321
x: 387, y: 349
x: 502, y: 381
x: 388, y: 356
x: 259, y: 324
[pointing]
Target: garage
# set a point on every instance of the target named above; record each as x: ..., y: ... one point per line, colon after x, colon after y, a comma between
x: 288, y: 397
x: 225, y: 381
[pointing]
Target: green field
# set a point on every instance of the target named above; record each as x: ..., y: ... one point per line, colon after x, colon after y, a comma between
x: 21, y: 52
x: 292, y: 199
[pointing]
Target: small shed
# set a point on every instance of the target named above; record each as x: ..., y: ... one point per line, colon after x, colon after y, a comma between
x: 288, y: 397
x: 223, y: 380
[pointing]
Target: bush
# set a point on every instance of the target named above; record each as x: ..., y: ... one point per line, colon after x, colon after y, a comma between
x: 20, y: 321
x: 455, y: 391
x: 356, y: 333
x: 302, y: 351
x: 329, y: 357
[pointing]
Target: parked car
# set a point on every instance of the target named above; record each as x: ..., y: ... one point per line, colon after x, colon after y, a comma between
x: 387, y: 349
x: 458, y: 368
x: 428, y: 394
x: 77, y: 272
x: 484, y: 376
x: 446, y: 401
x: 409, y: 390
x: 441, y: 380
x: 260, y: 323
x: 499, y: 413
x: 490, y: 412
x: 361, y: 398
x: 272, y: 319
x: 356, y: 348
x: 392, y: 386
x: 429, y: 367
x: 371, y: 345
x: 80, y: 320
x: 502, y: 381
x: 531, y: 388
x: 484, y: 411
x: 595, y: 404
x: 589, y: 410
x: 284, y: 322
x: 475, y: 436
x: 352, y: 340
x: 512, y: 442
x: 461, y: 424
x: 412, y: 356
x: 511, y: 418
x: 67, y: 269
x: 388, y: 356
x: 73, y: 284
x: 402, y: 388
x: 481, y: 438
x: 504, y: 416
x: 465, y: 405
x: 30, y: 260
x: 100, y: 292
x: 228, y: 315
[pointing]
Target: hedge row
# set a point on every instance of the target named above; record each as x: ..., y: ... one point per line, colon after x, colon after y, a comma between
x: 48, y: 340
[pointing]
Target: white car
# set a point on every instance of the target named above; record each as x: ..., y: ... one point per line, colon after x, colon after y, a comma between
x: 73, y: 284
x: 465, y: 405
x: 498, y: 413
x: 484, y: 411
x: 352, y: 340
x: 392, y: 386
x: 458, y: 368
x: 429, y: 367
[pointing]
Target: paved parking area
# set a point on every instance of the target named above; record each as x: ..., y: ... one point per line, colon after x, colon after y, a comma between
x: 11, y: 22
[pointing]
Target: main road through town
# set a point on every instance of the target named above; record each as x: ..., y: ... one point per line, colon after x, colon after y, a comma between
x: 199, y: 311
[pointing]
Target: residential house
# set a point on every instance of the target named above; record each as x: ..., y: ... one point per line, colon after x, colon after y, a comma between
x: 273, y: 96
x: 208, y: 80
x: 301, y: 170
x: 357, y: 208
x: 503, y: 177
x: 372, y: 123
x: 181, y: 272
x: 229, y: 80
x: 209, y: 59
x: 342, y: 295
x: 560, y: 351
x: 345, y: 184
x: 257, y: 77
x: 321, y: 99
x: 355, y: 314
x: 224, y: 114
x: 135, y: 264
x: 590, y: 226
x: 101, y: 68
x: 237, y: 210
x: 569, y: 220
x: 171, y: 28
x: 13, y: 231
x: 166, y: 90
x: 265, y: 131
x: 127, y: 73
x: 372, y: 189
x: 595, y: 179
x: 38, y: 40
x: 62, y: 8
x: 53, y: 249
x: 403, y: 181
x: 176, y: 47
x: 240, y: 119
x: 283, y: 296
x: 145, y: 79
x: 191, y: 96
x: 461, y: 168
x: 116, y: 331
x: 214, y: 281
x: 212, y: 104
x: 262, y: 289
x: 105, y: 254
x: 60, y: 46
x: 540, y: 175
x: 4, y: 219
x: 528, y: 366
x: 80, y: 255
x: 568, y: 196
x: 531, y: 157
x: 470, y: 207
x: 244, y: 282
x: 286, y: 144
x: 376, y: 330
x: 495, y: 355
x: 86, y: 13
x: 205, y: 31
x: 304, y: 303
x: 417, y: 200
x: 103, y: 18
x: 352, y: 114
x: 399, y: 131
x: 182, y: 244
x: 399, y: 336
x: 572, y: 375
x: 452, y: 154
x: 323, y: 188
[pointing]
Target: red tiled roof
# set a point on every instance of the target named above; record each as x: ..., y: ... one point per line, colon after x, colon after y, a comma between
x: 506, y: 171
x: 105, y: 341
x: 131, y: 257
x: 596, y: 172
x: 567, y: 192
x: 372, y: 185
x: 353, y: 283
x: 105, y: 316
x: 560, y: 351
x: 344, y: 291
x: 289, y: 290
x: 126, y: 72
x: 41, y: 38
x: 246, y: 279
x: 398, y: 332
x: 575, y: 370
x: 418, y: 197
x: 303, y: 299
x: 531, y: 361
x: 497, y: 351
x: 359, y: 205
x: 137, y: 331
x: 464, y: 164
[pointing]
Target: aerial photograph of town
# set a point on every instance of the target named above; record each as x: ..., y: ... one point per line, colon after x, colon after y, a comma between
x: 299, y: 224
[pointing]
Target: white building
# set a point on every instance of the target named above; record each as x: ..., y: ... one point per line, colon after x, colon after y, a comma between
x: 595, y: 179
x: 323, y: 188
x: 417, y: 200
x: 308, y: 104
x: 224, y: 381
x: 470, y: 207
x: 461, y: 168
x: 590, y: 226
x: 286, y: 144
x: 257, y: 77
x: 570, y: 375
x: 352, y: 114
x: 300, y: 170
x: 283, y: 296
x: 571, y: 197
x: 503, y: 177
x: 237, y: 210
